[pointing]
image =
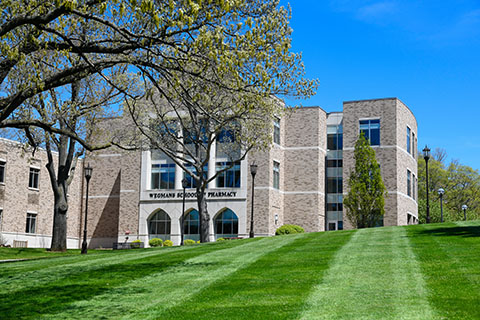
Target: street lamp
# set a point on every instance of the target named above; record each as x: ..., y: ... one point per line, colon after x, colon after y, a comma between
x: 88, y: 175
x: 440, y: 194
x: 184, y: 186
x: 426, y: 156
x: 464, y: 207
x: 253, y: 171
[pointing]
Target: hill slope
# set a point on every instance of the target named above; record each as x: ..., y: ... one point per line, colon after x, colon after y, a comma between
x: 415, y: 272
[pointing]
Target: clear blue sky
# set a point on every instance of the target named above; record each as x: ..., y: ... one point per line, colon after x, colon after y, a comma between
x: 426, y: 53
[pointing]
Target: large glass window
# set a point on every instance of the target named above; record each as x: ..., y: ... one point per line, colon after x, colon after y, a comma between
x: 2, y: 171
x: 191, y: 182
x: 191, y: 226
x: 163, y: 176
x: 409, y: 182
x: 276, y: 175
x: 276, y: 130
x: 226, y: 224
x: 159, y: 226
x: 229, y: 178
x: 371, y: 130
x: 408, y: 140
x: 34, y: 177
x: 31, y: 223
x: 334, y: 137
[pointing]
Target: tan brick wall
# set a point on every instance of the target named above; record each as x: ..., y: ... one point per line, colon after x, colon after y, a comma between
x: 16, y: 198
x: 391, y: 154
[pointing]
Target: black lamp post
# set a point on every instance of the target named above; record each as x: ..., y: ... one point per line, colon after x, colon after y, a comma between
x: 253, y: 171
x: 88, y: 175
x: 184, y: 186
x: 440, y: 194
x: 426, y: 156
x: 464, y: 208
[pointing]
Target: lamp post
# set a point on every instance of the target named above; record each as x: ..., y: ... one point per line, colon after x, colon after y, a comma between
x: 184, y: 186
x: 426, y: 156
x: 88, y: 175
x: 440, y: 194
x: 464, y: 208
x: 253, y: 171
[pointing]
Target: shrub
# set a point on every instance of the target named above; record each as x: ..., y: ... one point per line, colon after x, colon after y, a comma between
x: 189, y: 242
x: 167, y: 243
x: 289, y: 229
x: 198, y: 241
x: 220, y: 239
x: 135, y: 244
x: 155, y: 242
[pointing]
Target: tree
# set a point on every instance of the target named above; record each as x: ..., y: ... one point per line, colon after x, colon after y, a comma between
x: 366, y: 196
x: 237, y: 49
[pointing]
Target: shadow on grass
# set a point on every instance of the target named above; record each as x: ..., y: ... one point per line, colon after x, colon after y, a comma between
x: 457, y: 231
x: 55, y: 296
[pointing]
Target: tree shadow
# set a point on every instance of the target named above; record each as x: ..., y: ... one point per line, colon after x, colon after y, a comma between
x: 458, y: 231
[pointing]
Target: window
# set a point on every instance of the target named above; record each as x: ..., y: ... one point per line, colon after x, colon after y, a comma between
x: 335, y: 163
x: 1, y: 219
x: 192, y: 183
x: 191, y: 226
x: 226, y: 224
x: 409, y: 182
x: 163, y: 176
x: 276, y: 175
x: 335, y: 137
x: 413, y: 144
x: 276, y: 131
x: 229, y: 178
x: 408, y: 140
x: 33, y: 179
x: 31, y: 223
x: 159, y: 226
x: 371, y: 130
x: 334, y: 185
x: 2, y: 171
x: 413, y: 187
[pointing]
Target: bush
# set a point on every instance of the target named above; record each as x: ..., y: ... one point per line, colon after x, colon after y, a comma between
x: 220, y: 239
x: 189, y: 242
x: 135, y: 244
x: 289, y: 229
x: 167, y: 243
x: 155, y: 242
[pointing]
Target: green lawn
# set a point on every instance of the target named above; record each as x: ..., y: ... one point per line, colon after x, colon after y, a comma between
x: 415, y: 272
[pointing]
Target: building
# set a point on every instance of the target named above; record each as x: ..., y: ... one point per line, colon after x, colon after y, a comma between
x: 301, y: 180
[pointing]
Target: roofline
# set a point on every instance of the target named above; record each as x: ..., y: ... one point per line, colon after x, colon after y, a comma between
x: 379, y: 99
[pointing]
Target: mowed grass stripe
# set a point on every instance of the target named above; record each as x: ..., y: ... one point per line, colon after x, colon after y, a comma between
x: 374, y: 276
x: 449, y: 256
x: 273, y: 287
x: 171, y: 286
x: 55, y: 293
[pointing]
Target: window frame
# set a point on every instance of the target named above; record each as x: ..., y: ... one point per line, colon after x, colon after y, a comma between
x: 158, y: 172
x: 409, y: 140
x: 3, y: 170
x: 235, y: 170
x: 35, y: 183
x: 276, y: 130
x: 31, y: 216
x: 369, y: 129
x: 276, y: 175
x: 409, y: 183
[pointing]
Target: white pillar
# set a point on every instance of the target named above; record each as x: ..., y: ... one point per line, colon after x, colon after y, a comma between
x: 212, y: 165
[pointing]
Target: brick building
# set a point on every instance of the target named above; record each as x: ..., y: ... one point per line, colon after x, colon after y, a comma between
x: 300, y: 180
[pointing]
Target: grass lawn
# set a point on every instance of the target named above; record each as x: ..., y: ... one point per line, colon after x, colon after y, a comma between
x: 31, y: 253
x: 415, y: 272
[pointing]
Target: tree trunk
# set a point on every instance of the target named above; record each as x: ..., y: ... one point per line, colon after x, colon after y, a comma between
x: 59, y: 234
x: 203, y: 216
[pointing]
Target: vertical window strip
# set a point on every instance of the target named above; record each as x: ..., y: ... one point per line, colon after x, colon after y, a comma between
x: 276, y: 130
x: 31, y: 223
x: 408, y: 140
x: 276, y: 175
x: 2, y: 171
x: 33, y: 178
x: 409, y: 178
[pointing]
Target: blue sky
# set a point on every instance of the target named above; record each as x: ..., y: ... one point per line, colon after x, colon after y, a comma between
x: 426, y: 53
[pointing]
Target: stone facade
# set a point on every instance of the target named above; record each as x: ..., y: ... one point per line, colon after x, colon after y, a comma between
x: 122, y: 201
